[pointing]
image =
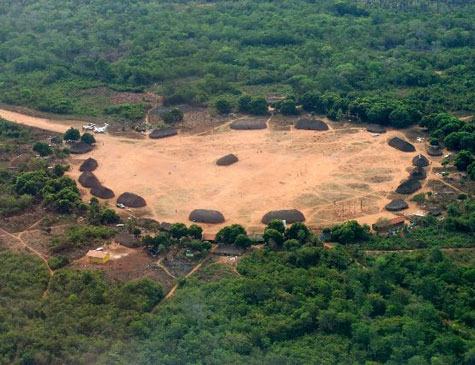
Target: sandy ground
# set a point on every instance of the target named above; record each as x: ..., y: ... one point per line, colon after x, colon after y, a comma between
x: 332, y: 176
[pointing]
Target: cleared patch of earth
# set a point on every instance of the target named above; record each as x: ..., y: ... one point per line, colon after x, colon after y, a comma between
x: 331, y: 176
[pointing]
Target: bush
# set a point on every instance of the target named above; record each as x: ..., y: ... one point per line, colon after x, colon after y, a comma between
x: 195, y: 231
x: 178, y: 230
x: 88, y: 138
x: 57, y: 262
x: 42, y: 149
x: 229, y: 234
x: 72, y: 134
x: 463, y: 160
x: 223, y: 106
x: 173, y: 116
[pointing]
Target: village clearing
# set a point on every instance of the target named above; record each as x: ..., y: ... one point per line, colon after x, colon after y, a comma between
x: 331, y: 176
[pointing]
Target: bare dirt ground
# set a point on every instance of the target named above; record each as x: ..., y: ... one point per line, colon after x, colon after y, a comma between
x: 332, y: 176
x: 127, y: 264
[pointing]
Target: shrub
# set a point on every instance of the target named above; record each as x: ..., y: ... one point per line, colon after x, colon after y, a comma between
x: 42, y: 149
x: 72, y: 134
x: 88, y: 138
x: 173, y: 116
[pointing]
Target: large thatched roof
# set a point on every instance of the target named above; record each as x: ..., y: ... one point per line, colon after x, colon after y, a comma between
x: 126, y: 239
x: 376, y: 128
x: 408, y: 187
x: 102, y: 192
x: 248, y: 124
x: 420, y: 161
x: 418, y: 173
x: 88, y: 165
x: 434, y: 151
x: 80, y: 148
x: 227, y: 160
x: 163, y: 133
x: 206, y: 216
x: 395, y: 205
x: 289, y: 215
x: 131, y: 200
x: 88, y: 180
x: 311, y: 124
x: 401, y: 145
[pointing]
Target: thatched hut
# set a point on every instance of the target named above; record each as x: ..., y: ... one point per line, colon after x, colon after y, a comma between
x: 409, y: 186
x: 127, y: 240
x: 401, y: 145
x: 311, y: 124
x: 80, y: 148
x: 227, y: 160
x: 376, y: 128
x: 163, y: 133
x: 89, y: 180
x: 289, y: 215
x: 102, y: 192
x: 248, y: 124
x: 418, y: 173
x: 88, y: 165
x: 131, y: 200
x: 206, y: 216
x: 396, y: 205
x: 434, y: 151
x: 420, y: 161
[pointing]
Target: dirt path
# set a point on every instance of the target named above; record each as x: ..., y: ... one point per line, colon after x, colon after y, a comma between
x: 18, y: 237
x: 164, y: 268
x: 175, y: 287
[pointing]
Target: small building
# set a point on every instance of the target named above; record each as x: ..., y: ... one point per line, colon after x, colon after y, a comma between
x: 211, y: 237
x: 391, y: 226
x: 228, y: 250
x: 98, y: 257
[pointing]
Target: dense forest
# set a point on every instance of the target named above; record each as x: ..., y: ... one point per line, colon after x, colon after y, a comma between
x: 419, y: 53
x: 363, y: 298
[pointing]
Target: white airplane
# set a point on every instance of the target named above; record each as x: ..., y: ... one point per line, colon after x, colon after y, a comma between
x: 101, y: 129
x: 89, y: 127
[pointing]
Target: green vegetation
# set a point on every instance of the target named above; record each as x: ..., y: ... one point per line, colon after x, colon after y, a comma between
x: 401, y: 58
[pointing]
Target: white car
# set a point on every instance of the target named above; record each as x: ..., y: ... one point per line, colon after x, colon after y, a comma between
x: 120, y: 205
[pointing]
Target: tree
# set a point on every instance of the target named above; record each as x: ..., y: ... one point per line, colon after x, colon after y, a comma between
x: 229, y: 234
x: 195, y: 231
x: 244, y: 103
x: 109, y: 216
x: 298, y: 231
x: 312, y: 102
x: 223, y: 106
x: 288, y: 107
x: 88, y: 138
x: 42, y: 149
x: 31, y: 182
x: 72, y: 134
x: 400, y: 117
x: 178, y: 230
x: 259, y: 106
x: 272, y: 236
x: 463, y: 160
x: 471, y: 170
x: 173, y: 116
x: 276, y: 224
x: 243, y: 241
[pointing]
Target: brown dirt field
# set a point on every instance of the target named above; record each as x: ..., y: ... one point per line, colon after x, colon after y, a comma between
x: 127, y: 264
x: 332, y: 176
